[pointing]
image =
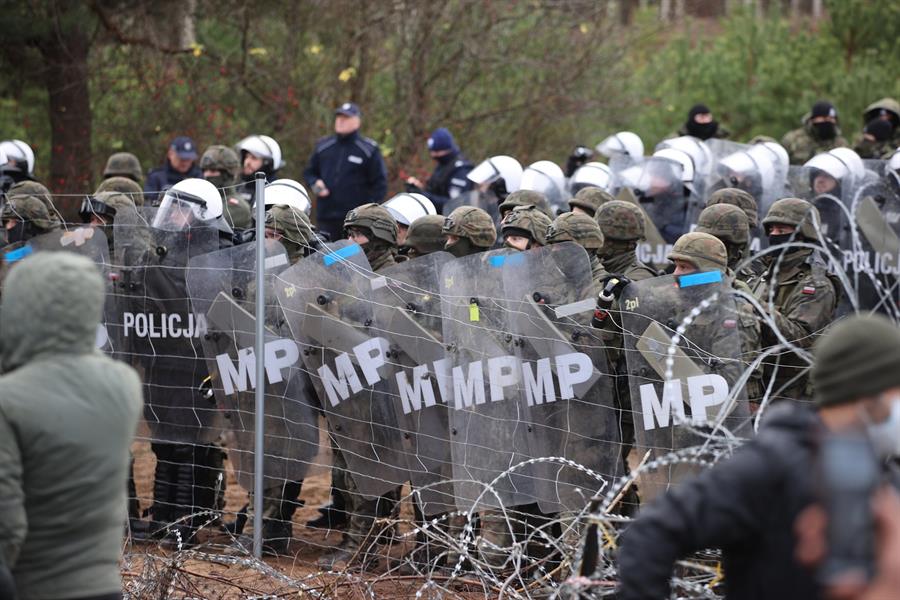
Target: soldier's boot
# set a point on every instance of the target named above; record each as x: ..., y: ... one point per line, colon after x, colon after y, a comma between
x: 162, y: 510
x: 388, y: 507
x: 137, y: 527
x: 278, y: 512
x: 332, y: 515
x: 357, y: 541
x: 498, y: 533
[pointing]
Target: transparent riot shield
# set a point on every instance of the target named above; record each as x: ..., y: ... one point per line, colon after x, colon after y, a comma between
x: 657, y: 186
x: 683, y: 387
x: 408, y: 312
x: 487, y: 201
x: 222, y: 286
x: 829, y: 197
x: 326, y: 299
x: 703, y: 161
x: 567, y: 384
x: 876, y: 218
x: 759, y: 169
x: 161, y: 332
x: 488, y: 420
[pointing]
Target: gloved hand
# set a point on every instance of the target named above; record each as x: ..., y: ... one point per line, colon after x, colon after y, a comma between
x: 579, y: 156
x: 613, y: 284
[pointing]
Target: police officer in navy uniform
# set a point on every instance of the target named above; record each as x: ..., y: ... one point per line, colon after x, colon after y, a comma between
x: 449, y: 177
x: 345, y: 171
x: 181, y: 163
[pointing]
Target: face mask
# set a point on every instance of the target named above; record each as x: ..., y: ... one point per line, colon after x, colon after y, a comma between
x: 886, y: 436
x: 825, y: 130
x: 704, y: 131
x: 463, y: 247
x: 781, y: 238
x: 16, y: 234
x: 217, y: 180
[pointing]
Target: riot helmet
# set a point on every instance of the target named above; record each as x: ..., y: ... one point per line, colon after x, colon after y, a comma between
x: 502, y: 174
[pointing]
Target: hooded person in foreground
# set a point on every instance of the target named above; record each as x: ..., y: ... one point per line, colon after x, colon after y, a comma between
x: 67, y: 419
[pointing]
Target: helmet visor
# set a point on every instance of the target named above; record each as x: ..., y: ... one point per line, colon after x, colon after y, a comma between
x: 178, y: 211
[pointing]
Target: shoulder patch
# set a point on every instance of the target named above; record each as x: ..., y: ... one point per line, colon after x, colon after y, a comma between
x: 808, y: 290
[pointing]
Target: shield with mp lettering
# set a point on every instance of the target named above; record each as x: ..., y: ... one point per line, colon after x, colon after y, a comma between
x: 223, y: 287
x: 686, y: 367
x: 327, y: 302
x: 566, y: 378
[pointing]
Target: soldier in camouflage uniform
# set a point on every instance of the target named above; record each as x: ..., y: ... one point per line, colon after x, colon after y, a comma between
x: 25, y: 216
x: 589, y: 200
x: 39, y: 191
x: 124, y: 164
x: 729, y: 223
x: 524, y: 228
x: 375, y: 230
x: 622, y: 224
x: 526, y: 198
x: 221, y: 166
x: 468, y: 230
x: 698, y: 252
x: 100, y: 211
x: 803, y: 297
x: 125, y: 186
x: 424, y: 236
x: 820, y: 133
x: 584, y: 231
x: 883, y: 116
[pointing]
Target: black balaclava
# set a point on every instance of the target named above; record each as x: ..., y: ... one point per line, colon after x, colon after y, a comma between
x: 704, y: 131
x: 825, y: 130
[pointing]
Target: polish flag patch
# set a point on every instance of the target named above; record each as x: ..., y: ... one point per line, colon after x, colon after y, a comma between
x: 808, y: 290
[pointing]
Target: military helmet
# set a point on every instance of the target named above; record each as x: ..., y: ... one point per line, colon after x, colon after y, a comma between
x: 471, y: 223
x: 740, y: 198
x: 28, y: 208
x: 292, y: 223
x: 425, y: 234
x: 122, y: 185
x: 123, y: 164
x: 527, y: 221
x: 797, y: 212
x: 620, y: 220
x: 221, y: 158
x: 526, y: 198
x: 704, y: 251
x: 37, y: 190
x: 104, y: 204
x: 725, y: 221
x: 578, y: 228
x: 590, y: 199
x: 376, y: 219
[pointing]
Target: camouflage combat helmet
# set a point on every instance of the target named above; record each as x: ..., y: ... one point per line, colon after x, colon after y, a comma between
x: 123, y: 164
x: 376, y: 219
x: 620, y: 220
x: 725, y: 221
x: 473, y: 224
x: 294, y: 226
x: 223, y: 159
x: 39, y: 191
x: 30, y: 209
x: 740, y: 198
x: 704, y: 251
x: 526, y: 198
x: 425, y: 235
x: 578, y: 228
x: 528, y: 221
x: 123, y: 185
x: 117, y: 200
x: 105, y: 204
x: 796, y: 212
x: 590, y: 199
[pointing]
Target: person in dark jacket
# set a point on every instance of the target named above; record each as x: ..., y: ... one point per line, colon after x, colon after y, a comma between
x: 345, y: 171
x: 181, y: 163
x: 449, y: 177
x: 747, y: 505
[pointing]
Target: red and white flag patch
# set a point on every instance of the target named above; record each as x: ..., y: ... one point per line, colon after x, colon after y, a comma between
x: 808, y: 290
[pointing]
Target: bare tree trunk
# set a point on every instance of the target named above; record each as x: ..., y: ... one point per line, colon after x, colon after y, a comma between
x: 65, y: 55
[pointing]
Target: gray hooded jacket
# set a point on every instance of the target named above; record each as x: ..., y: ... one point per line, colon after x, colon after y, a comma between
x: 67, y: 419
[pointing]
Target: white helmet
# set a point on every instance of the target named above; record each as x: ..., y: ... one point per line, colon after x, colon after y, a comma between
x: 407, y: 207
x: 498, y: 167
x: 624, y: 142
x: 20, y: 152
x: 696, y: 149
x: 546, y: 177
x: 190, y: 202
x: 839, y: 163
x: 592, y: 174
x: 893, y: 163
x: 683, y: 161
x: 288, y: 192
x: 757, y: 159
x: 264, y: 147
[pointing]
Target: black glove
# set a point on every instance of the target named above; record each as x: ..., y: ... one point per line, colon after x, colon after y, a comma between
x: 613, y: 284
x: 579, y: 156
x: 412, y: 189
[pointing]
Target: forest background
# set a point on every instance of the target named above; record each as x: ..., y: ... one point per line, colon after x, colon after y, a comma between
x: 80, y: 79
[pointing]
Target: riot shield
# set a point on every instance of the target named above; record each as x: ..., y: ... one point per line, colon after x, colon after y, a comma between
x: 161, y: 332
x: 657, y: 185
x: 876, y: 216
x: 222, y: 286
x: 408, y: 312
x: 488, y: 420
x: 487, y: 201
x: 682, y: 386
x: 759, y: 169
x: 567, y: 383
x: 703, y: 161
x: 326, y: 299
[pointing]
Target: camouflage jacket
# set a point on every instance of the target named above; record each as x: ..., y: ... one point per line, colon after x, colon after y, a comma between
x: 803, y: 300
x: 802, y: 144
x: 870, y: 149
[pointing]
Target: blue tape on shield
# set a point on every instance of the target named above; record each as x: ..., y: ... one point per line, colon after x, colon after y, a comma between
x: 18, y: 254
x: 506, y: 259
x: 341, y: 254
x: 700, y: 278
